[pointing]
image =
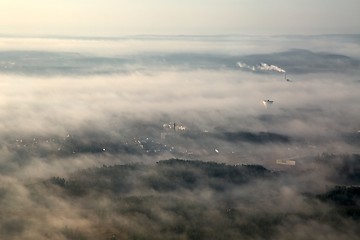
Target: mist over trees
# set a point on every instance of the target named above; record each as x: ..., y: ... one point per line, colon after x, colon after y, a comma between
x: 198, y: 200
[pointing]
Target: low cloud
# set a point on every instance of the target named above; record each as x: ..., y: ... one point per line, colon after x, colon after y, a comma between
x: 72, y: 121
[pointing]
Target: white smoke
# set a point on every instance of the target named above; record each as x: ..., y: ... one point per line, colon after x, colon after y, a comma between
x: 266, y: 67
x: 245, y: 66
x: 261, y: 67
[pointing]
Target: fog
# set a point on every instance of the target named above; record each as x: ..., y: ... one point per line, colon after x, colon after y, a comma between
x: 70, y: 105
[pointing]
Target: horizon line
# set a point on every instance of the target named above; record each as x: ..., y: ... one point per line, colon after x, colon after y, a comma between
x: 139, y: 36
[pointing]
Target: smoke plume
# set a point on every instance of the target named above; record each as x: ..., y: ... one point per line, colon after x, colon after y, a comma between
x: 261, y: 67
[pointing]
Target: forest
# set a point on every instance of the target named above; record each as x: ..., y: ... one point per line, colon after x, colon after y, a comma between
x: 191, y: 199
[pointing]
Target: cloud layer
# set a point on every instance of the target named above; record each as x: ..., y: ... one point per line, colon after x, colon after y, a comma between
x: 81, y: 106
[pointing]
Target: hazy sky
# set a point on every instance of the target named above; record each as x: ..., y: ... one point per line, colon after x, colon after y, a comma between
x: 123, y: 17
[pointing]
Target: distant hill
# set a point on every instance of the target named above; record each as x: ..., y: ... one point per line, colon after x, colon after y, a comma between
x: 305, y: 61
